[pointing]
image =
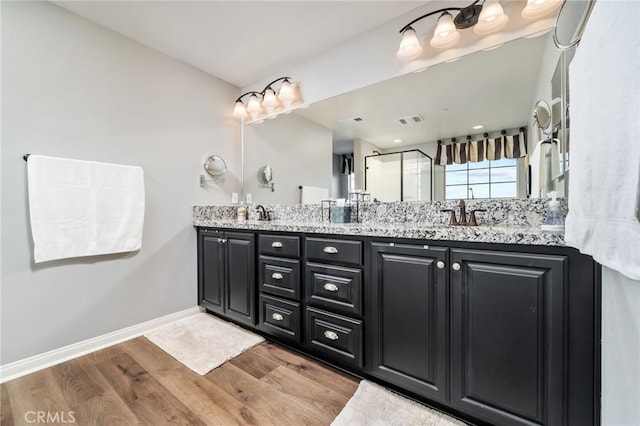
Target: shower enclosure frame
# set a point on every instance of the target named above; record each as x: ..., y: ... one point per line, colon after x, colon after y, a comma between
x: 402, y: 153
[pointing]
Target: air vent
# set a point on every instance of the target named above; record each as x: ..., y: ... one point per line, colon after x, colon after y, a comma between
x: 351, y: 120
x: 409, y: 119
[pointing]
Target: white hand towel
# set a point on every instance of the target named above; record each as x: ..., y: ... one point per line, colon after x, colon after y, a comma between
x: 84, y: 208
x: 604, y: 189
x: 313, y: 195
x: 545, y: 168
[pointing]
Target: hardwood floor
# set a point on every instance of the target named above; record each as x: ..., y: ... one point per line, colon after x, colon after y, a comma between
x: 136, y: 383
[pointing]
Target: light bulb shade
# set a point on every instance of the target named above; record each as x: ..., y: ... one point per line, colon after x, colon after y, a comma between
x: 287, y: 94
x: 254, y: 105
x: 239, y: 111
x: 269, y: 101
x: 445, y: 34
x: 298, y: 99
x: 538, y: 8
x: 492, y: 18
x: 409, y: 45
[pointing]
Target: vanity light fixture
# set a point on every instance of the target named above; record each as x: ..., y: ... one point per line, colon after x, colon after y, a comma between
x: 485, y: 16
x: 268, y: 103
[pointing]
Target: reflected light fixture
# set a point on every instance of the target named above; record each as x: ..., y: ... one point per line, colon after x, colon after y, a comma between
x: 269, y: 103
x: 484, y: 16
x: 539, y: 8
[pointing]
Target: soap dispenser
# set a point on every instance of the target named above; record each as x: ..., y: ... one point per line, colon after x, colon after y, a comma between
x: 553, y: 220
x: 241, y: 212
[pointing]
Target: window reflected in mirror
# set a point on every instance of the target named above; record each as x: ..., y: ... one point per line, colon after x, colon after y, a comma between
x: 484, y: 179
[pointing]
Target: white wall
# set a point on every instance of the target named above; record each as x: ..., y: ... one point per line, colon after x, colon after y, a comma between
x: 298, y: 150
x: 73, y: 89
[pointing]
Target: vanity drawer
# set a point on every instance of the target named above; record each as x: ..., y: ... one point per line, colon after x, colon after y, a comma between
x: 334, y: 287
x: 280, y: 317
x: 279, y: 245
x: 280, y: 276
x: 335, y: 336
x: 338, y: 251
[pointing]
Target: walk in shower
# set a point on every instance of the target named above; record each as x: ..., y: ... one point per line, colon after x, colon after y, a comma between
x: 399, y: 176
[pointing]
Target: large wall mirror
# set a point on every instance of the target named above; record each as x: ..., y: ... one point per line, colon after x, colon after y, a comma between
x: 496, y: 89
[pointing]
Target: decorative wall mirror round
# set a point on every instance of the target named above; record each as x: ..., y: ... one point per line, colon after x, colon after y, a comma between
x: 266, y: 175
x: 215, y: 166
x: 542, y: 115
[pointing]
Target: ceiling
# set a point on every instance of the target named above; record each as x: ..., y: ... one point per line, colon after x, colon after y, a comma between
x: 240, y: 42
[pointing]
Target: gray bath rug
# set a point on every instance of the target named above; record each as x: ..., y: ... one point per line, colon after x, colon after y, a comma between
x: 373, y: 405
x: 203, y: 342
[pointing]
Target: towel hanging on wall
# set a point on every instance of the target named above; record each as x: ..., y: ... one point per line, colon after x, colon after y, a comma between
x: 84, y: 208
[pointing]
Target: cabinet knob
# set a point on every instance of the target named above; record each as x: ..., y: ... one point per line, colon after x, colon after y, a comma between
x: 276, y: 276
x: 276, y: 316
x: 330, y: 287
x: 224, y: 240
x: 330, y: 335
x: 276, y: 244
x: 456, y: 266
x: 330, y: 250
x: 440, y: 264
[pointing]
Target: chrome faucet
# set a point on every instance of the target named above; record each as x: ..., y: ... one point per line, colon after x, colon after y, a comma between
x: 453, y: 220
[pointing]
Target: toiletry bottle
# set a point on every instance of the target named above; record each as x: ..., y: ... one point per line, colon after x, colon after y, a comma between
x: 553, y: 220
x: 242, y: 212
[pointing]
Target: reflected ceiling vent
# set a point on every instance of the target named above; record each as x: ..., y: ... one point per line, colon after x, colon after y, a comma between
x: 351, y: 120
x: 410, y: 119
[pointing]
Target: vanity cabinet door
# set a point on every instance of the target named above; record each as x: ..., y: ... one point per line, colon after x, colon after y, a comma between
x: 408, y: 322
x: 227, y: 274
x: 508, y: 336
x: 240, y: 283
x: 211, y: 270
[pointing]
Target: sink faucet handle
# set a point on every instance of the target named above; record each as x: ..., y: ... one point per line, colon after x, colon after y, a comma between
x: 452, y: 217
x: 472, y: 220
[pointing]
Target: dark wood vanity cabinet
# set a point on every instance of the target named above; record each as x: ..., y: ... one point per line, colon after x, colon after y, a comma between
x: 226, y: 274
x: 507, y: 336
x: 409, y: 318
x: 502, y: 334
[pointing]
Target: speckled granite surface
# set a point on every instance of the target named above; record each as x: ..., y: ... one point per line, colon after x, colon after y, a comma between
x: 506, y: 221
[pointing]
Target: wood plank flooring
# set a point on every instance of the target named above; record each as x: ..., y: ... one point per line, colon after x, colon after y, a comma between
x: 136, y: 383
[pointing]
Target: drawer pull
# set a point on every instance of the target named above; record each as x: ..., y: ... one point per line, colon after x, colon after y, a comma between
x: 330, y: 335
x: 330, y: 250
x: 440, y: 264
x: 456, y: 266
x: 276, y: 244
x: 330, y: 287
x: 276, y: 316
x: 276, y: 276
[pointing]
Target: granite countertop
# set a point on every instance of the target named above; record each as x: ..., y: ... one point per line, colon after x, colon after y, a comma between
x: 525, y: 235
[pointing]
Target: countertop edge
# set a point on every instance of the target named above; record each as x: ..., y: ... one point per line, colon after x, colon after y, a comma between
x: 485, y: 234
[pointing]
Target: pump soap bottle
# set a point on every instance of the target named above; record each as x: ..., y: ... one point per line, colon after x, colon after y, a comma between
x: 242, y: 212
x: 553, y: 220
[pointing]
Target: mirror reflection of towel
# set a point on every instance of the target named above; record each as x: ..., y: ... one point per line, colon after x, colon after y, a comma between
x: 545, y: 168
x: 347, y: 164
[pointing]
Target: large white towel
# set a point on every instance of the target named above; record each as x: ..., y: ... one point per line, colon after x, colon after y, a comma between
x: 84, y: 208
x: 604, y: 189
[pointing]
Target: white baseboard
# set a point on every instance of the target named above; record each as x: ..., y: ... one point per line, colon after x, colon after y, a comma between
x: 38, y: 362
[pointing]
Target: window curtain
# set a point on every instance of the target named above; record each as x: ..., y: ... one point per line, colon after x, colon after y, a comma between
x: 485, y: 148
